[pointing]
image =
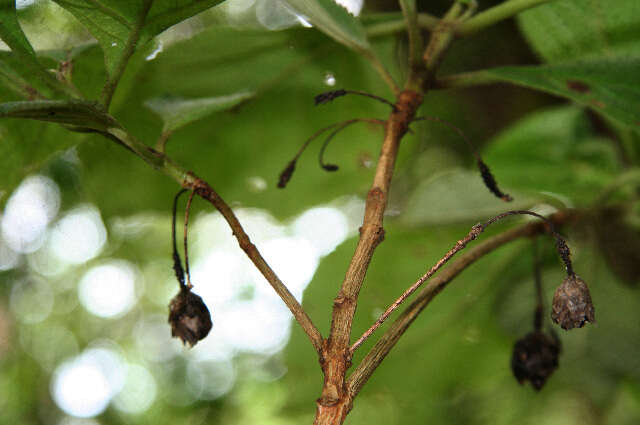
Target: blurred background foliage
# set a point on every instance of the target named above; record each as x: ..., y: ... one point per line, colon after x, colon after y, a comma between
x: 85, y: 267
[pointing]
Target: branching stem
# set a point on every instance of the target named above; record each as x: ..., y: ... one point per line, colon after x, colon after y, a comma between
x: 388, y: 340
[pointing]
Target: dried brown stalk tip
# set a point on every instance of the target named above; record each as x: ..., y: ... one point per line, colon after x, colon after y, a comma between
x: 535, y: 358
x: 189, y: 317
x: 286, y: 174
x: 329, y: 96
x: 572, y: 306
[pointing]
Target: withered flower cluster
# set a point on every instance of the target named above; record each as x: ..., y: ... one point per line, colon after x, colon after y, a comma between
x: 572, y: 306
x: 535, y: 358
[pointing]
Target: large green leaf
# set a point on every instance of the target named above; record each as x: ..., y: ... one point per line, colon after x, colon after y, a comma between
x: 112, y: 23
x: 333, y: 20
x: 177, y: 112
x: 563, y: 31
x: 554, y: 152
x: 23, y: 58
x: 608, y: 86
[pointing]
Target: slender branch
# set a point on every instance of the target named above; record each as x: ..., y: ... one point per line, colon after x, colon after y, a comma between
x: 177, y: 263
x: 187, y: 210
x: 392, y: 26
x: 384, y: 345
x: 190, y: 181
x: 537, y: 280
x: 460, y: 245
x: 496, y: 14
x: 466, y: 79
x: 441, y: 38
x: 409, y: 11
x: 130, y: 47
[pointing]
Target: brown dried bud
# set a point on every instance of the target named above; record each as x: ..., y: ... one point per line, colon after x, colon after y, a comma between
x: 535, y: 358
x: 572, y: 305
x: 189, y: 317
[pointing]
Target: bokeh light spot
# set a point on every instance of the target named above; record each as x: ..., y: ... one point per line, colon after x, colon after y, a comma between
x: 79, y: 236
x: 108, y: 290
x: 28, y: 212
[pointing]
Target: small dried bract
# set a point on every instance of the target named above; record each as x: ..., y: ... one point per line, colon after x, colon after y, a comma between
x: 189, y: 317
x: 572, y: 306
x: 535, y: 358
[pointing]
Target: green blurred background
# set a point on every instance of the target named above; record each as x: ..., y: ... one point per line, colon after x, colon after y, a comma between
x: 85, y: 260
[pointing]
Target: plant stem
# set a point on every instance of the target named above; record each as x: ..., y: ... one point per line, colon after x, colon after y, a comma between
x: 441, y: 38
x: 392, y: 26
x: 334, y: 404
x: 465, y: 79
x: 130, y: 47
x: 496, y: 14
x: 415, y: 43
x: 190, y: 181
x: 384, y: 345
x: 460, y: 245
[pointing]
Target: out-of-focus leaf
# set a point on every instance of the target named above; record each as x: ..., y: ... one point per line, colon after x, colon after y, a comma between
x: 176, y: 112
x: 553, y: 151
x: 608, y: 86
x: 25, y: 62
x: 26, y: 148
x: 456, y: 196
x: 76, y: 113
x: 567, y: 30
x: 113, y: 22
x: 333, y: 20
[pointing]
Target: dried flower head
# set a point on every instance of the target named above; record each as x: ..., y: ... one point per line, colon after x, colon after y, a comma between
x: 189, y: 317
x: 535, y: 358
x: 572, y: 306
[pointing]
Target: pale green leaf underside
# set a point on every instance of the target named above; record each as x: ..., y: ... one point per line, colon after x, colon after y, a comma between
x: 112, y: 22
x: 177, y: 113
x: 609, y: 87
x: 567, y: 30
x: 334, y: 21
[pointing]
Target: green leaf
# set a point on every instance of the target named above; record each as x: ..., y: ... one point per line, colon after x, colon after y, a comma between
x: 76, y: 113
x: 563, y: 31
x: 176, y: 112
x: 554, y: 152
x: 113, y: 22
x: 25, y: 62
x: 457, y: 196
x: 333, y: 20
x: 608, y: 86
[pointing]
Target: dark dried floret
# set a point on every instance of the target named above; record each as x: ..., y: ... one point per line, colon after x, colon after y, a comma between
x: 329, y: 96
x: 189, y: 317
x: 535, y: 358
x: 572, y: 306
x: 286, y: 174
x: 330, y: 167
x: 490, y: 181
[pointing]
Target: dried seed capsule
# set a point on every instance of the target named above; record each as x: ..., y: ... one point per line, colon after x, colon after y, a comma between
x: 535, y: 358
x: 189, y: 317
x: 572, y: 305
